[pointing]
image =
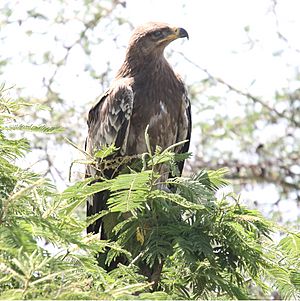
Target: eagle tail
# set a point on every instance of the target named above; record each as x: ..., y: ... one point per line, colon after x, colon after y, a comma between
x: 96, y: 204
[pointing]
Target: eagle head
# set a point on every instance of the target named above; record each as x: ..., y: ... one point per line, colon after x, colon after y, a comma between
x: 153, y: 37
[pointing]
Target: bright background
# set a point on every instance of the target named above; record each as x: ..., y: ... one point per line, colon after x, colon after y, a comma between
x: 252, y: 45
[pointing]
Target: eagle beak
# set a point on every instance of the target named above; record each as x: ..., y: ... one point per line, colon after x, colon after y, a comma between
x: 181, y: 33
x: 174, y: 34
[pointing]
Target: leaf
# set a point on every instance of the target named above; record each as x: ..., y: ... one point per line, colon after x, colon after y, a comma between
x: 213, y: 180
x: 155, y: 296
x: 106, y: 151
x: 175, y: 198
x: 33, y: 128
x: 129, y: 191
x: 84, y: 189
x: 282, y: 282
x: 91, y: 219
x: 291, y: 244
x: 12, y: 294
x: 192, y: 190
x: 295, y: 279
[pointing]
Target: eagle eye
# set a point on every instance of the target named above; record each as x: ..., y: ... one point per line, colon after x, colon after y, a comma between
x: 157, y: 34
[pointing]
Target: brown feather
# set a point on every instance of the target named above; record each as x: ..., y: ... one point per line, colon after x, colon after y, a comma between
x: 146, y: 91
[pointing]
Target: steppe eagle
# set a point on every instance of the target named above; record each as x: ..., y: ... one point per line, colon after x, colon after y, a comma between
x: 146, y: 91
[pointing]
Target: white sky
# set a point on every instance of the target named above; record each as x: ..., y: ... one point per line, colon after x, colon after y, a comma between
x: 217, y: 42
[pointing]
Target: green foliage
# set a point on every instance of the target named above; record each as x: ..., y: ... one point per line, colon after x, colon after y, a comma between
x: 33, y: 128
x: 211, y: 248
x: 288, y: 279
x: 43, y: 253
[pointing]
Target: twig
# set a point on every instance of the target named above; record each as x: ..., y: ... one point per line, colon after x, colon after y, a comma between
x: 255, y: 99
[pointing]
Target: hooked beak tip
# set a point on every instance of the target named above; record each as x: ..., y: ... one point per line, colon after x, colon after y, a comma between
x: 182, y: 33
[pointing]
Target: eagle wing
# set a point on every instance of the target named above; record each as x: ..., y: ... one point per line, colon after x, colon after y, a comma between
x: 109, y: 120
x: 108, y: 123
x: 184, y: 127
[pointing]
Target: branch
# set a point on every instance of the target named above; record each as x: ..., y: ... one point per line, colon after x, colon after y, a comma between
x: 280, y: 35
x: 255, y: 99
x: 254, y: 172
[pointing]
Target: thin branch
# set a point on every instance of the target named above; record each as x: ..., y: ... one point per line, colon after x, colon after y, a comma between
x: 254, y: 172
x: 255, y: 99
x: 280, y: 35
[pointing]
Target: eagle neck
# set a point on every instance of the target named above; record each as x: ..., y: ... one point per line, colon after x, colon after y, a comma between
x: 135, y: 65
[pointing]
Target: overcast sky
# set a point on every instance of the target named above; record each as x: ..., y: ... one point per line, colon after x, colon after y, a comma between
x: 218, y: 42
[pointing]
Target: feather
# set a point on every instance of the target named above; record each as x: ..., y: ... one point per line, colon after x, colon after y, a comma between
x: 146, y: 93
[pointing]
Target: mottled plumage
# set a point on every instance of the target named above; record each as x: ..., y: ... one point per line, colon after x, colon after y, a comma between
x: 145, y: 91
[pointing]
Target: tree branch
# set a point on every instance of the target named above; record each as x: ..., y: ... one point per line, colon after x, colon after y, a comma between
x: 248, y: 95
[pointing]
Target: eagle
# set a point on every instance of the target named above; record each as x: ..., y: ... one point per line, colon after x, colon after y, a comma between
x: 145, y: 93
